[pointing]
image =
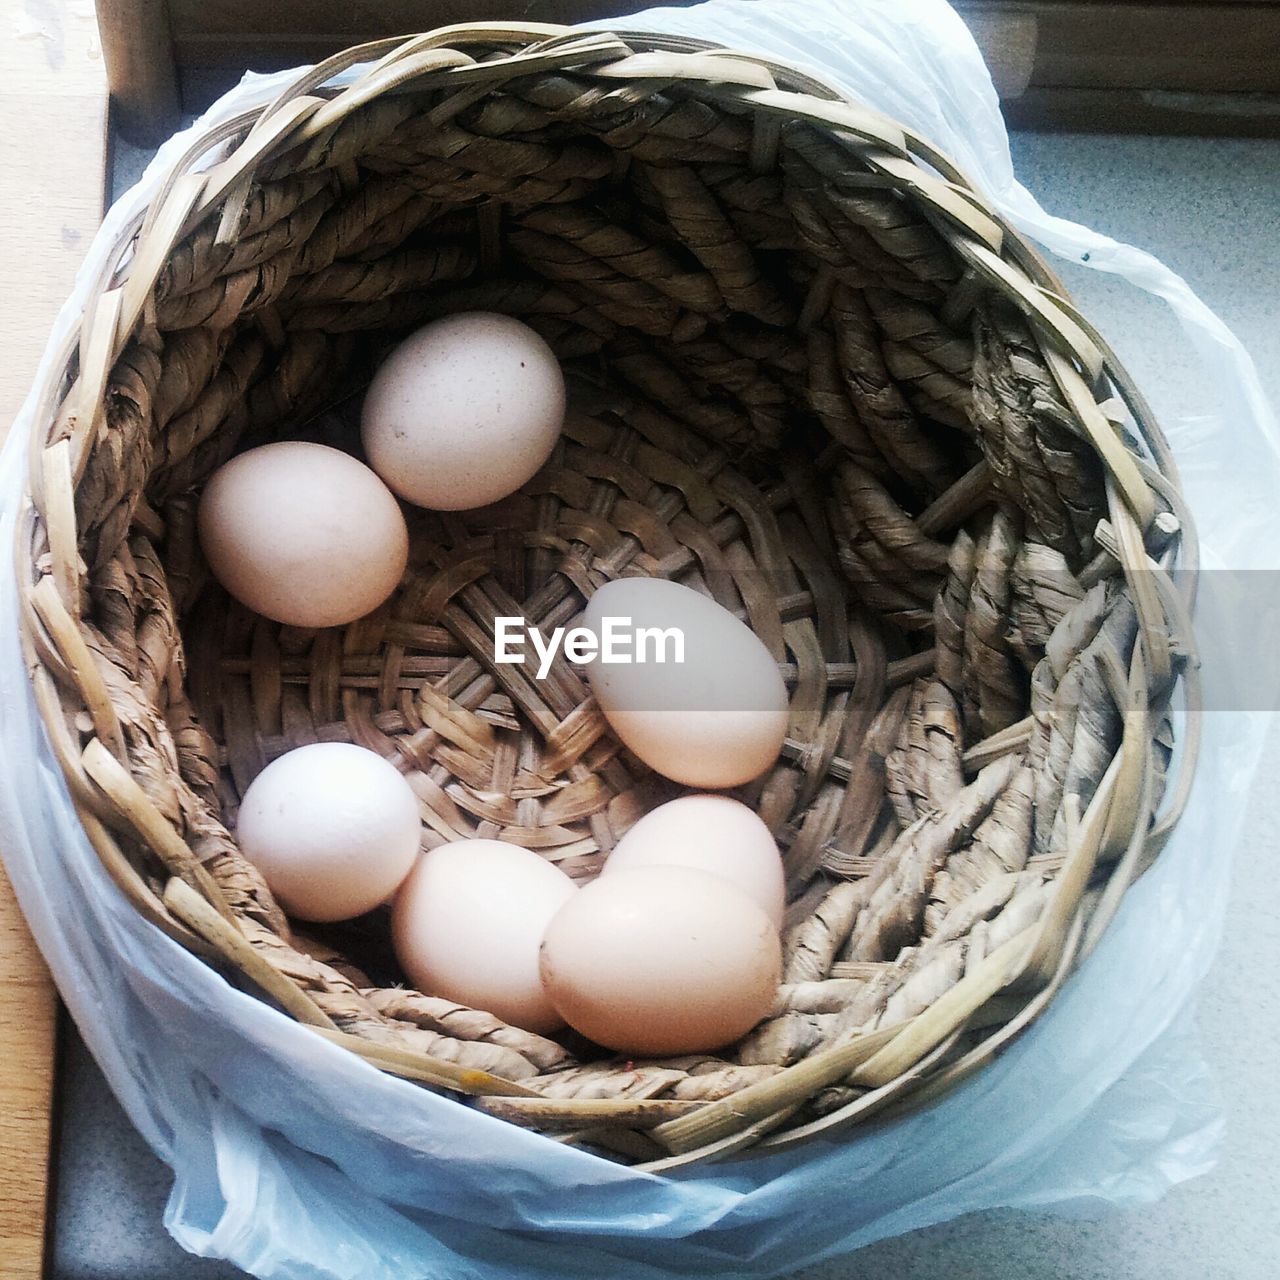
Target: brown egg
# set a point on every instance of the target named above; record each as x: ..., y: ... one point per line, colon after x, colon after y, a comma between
x: 468, y: 922
x: 303, y: 533
x: 464, y: 411
x: 716, y: 718
x: 661, y: 960
x: 712, y: 833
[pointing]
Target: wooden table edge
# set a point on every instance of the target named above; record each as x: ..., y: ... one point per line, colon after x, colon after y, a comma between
x: 53, y: 154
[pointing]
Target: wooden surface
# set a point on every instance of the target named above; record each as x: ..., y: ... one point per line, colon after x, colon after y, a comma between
x: 144, y: 78
x: 53, y: 158
x: 1173, y: 66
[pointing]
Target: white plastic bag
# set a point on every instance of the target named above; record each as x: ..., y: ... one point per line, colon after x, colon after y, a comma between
x: 292, y: 1158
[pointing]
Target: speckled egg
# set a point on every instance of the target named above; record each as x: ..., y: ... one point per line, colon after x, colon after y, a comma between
x: 464, y: 411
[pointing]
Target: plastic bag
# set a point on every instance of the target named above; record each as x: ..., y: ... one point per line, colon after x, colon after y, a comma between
x: 293, y: 1158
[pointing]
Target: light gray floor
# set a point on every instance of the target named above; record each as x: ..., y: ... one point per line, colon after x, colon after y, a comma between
x: 1210, y: 209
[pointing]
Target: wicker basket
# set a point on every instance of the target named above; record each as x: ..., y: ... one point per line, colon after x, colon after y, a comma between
x: 812, y: 372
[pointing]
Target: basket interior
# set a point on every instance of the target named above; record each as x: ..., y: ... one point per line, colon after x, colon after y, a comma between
x: 792, y: 387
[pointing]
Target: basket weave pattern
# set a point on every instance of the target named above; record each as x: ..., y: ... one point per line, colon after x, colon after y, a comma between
x: 812, y: 373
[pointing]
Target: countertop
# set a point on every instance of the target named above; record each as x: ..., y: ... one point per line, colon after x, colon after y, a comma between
x: 53, y: 114
x: 1209, y: 209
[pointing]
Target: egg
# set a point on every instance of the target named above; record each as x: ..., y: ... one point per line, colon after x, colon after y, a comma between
x: 464, y: 411
x: 334, y: 829
x: 710, y: 833
x: 303, y: 533
x: 468, y: 922
x: 661, y: 960
x: 716, y: 719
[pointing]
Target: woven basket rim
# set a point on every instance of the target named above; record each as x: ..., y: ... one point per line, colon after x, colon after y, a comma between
x: 888, y: 1062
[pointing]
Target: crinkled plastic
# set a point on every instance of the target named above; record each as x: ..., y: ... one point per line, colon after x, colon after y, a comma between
x: 292, y: 1158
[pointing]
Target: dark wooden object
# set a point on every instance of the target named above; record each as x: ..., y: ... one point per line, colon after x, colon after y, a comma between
x: 1204, y: 67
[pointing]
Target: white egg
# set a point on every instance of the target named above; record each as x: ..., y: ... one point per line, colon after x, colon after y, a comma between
x: 334, y: 829
x: 464, y: 411
x: 468, y: 923
x: 710, y: 833
x: 715, y: 718
x: 303, y: 533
